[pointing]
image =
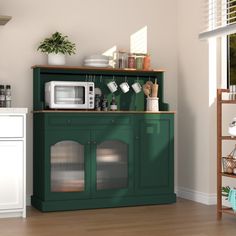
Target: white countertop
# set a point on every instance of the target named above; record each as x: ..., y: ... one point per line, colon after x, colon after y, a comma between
x: 13, y: 110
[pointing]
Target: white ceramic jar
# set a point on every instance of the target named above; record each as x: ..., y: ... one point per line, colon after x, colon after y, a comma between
x: 152, y: 104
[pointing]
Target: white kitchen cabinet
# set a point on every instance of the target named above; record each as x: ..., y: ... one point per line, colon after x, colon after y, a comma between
x: 12, y: 162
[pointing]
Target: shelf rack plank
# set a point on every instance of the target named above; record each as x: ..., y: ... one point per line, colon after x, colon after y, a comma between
x: 228, y: 102
x: 228, y: 210
x: 228, y: 175
x: 228, y: 138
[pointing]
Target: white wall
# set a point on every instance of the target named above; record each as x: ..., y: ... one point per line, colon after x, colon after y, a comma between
x: 196, y: 107
x: 94, y: 26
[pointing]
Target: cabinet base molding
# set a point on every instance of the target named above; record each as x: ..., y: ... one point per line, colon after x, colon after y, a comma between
x: 47, y: 206
x: 13, y: 213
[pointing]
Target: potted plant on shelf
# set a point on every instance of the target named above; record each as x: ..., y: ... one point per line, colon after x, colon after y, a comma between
x: 225, y: 192
x: 57, y: 46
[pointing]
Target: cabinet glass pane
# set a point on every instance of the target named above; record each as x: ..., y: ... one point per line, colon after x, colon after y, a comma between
x: 67, y: 167
x: 112, y: 165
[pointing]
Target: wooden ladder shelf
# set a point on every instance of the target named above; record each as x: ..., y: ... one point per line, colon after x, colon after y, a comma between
x: 220, y: 208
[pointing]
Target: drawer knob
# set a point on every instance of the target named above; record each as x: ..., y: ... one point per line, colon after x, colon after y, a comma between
x: 94, y: 142
x: 88, y: 142
x: 112, y: 121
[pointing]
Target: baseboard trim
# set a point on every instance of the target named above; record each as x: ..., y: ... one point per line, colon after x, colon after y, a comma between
x: 190, y: 194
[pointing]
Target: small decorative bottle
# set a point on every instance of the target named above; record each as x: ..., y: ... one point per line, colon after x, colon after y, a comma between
x: 97, y: 103
x: 2, y: 96
x: 8, y: 96
x: 113, y: 104
x: 104, y: 103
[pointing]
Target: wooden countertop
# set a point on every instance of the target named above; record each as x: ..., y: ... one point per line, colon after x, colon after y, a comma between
x: 5, y: 110
x: 94, y: 68
x: 105, y: 112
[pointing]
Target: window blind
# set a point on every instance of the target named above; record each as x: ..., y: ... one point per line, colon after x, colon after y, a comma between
x: 219, y: 18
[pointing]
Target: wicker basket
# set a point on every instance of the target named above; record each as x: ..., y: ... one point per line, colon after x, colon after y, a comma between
x: 229, y: 164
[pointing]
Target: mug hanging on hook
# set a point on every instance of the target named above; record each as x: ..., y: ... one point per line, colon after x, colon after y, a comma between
x: 112, y: 85
x: 124, y: 86
x: 136, y: 86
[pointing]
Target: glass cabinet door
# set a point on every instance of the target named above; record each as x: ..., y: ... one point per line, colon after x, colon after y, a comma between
x: 67, y: 167
x: 112, y: 165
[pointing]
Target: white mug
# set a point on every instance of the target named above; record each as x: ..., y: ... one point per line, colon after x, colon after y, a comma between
x: 112, y: 86
x: 124, y: 87
x: 136, y: 87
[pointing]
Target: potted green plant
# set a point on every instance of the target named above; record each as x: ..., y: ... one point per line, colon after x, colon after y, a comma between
x: 225, y: 192
x: 56, y: 47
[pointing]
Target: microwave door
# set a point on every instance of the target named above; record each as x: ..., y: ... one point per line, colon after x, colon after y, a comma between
x: 69, y: 95
x: 80, y: 94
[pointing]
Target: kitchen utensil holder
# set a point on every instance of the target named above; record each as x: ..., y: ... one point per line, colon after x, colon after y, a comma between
x: 152, y: 104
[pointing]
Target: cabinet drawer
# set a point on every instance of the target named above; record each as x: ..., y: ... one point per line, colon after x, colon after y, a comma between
x: 98, y: 120
x: 11, y: 126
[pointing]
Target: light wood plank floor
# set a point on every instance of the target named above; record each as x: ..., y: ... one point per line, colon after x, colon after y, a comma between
x: 184, y: 218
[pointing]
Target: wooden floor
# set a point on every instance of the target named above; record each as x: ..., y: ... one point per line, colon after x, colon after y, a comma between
x: 184, y: 218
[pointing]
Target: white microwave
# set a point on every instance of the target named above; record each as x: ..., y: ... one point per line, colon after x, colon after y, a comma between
x: 69, y: 95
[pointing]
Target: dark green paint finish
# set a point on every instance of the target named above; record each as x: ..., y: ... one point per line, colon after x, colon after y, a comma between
x: 79, y: 204
x: 149, y: 138
x: 150, y: 158
x: 127, y: 101
x: 155, y: 154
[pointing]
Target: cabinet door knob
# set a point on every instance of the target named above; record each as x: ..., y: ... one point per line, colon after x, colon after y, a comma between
x: 88, y: 142
x: 94, y: 142
x: 112, y: 121
x: 137, y: 137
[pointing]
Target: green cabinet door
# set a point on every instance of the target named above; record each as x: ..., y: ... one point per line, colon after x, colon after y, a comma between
x: 154, y: 148
x: 67, y: 164
x: 112, y: 165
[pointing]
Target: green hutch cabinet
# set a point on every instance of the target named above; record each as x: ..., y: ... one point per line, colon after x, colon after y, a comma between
x: 90, y: 159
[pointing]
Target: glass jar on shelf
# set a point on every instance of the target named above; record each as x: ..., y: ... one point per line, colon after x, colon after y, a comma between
x: 147, y: 62
x: 120, y: 59
x: 131, y: 61
x: 139, y: 60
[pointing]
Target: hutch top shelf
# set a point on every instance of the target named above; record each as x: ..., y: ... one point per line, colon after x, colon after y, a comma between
x: 96, y: 69
x: 108, y: 112
x: 100, y: 76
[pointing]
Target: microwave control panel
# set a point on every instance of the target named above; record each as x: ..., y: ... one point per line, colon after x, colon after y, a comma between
x: 91, y: 95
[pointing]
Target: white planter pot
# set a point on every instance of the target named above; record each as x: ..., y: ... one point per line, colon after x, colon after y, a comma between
x: 56, y: 59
